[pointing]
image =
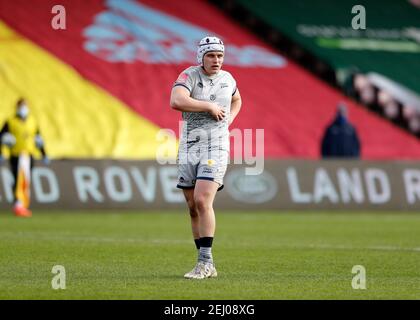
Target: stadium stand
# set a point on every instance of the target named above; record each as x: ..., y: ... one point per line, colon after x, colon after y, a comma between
x: 105, y: 80
x: 377, y: 66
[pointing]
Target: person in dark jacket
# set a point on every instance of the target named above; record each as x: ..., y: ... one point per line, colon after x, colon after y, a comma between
x: 340, y: 139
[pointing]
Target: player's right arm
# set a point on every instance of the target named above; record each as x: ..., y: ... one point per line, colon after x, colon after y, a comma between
x: 181, y: 101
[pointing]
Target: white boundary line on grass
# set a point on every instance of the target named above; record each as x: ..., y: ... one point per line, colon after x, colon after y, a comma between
x: 69, y: 237
x: 382, y: 248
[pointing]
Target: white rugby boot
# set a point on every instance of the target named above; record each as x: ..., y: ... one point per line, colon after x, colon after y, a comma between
x: 190, y: 274
x: 204, y: 270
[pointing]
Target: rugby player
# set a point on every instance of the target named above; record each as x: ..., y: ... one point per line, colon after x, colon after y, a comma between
x: 209, y: 101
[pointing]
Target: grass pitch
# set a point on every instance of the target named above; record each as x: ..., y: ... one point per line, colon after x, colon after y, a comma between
x: 260, y: 255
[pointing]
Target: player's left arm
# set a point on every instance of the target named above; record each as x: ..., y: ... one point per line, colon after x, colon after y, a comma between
x: 235, y: 106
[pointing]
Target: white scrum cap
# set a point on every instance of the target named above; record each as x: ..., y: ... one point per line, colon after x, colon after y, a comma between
x: 208, y: 44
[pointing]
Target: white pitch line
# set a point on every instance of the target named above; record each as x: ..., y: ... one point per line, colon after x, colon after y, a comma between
x: 69, y: 237
x: 391, y: 248
x: 344, y: 247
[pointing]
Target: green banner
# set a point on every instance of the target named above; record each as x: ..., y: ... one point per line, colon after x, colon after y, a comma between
x: 390, y: 43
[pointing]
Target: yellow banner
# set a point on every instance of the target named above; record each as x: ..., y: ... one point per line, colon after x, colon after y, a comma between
x: 77, y: 118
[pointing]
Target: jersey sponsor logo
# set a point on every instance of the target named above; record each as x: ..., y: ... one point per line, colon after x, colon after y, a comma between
x: 224, y: 85
x: 208, y: 170
x: 129, y: 31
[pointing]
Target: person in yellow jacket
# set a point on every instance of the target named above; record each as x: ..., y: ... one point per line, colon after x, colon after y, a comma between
x: 21, y: 134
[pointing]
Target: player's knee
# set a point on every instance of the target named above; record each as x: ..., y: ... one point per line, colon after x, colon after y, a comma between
x: 202, y: 204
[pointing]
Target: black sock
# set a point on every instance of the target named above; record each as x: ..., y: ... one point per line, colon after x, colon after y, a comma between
x: 197, y: 243
x: 206, y: 242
